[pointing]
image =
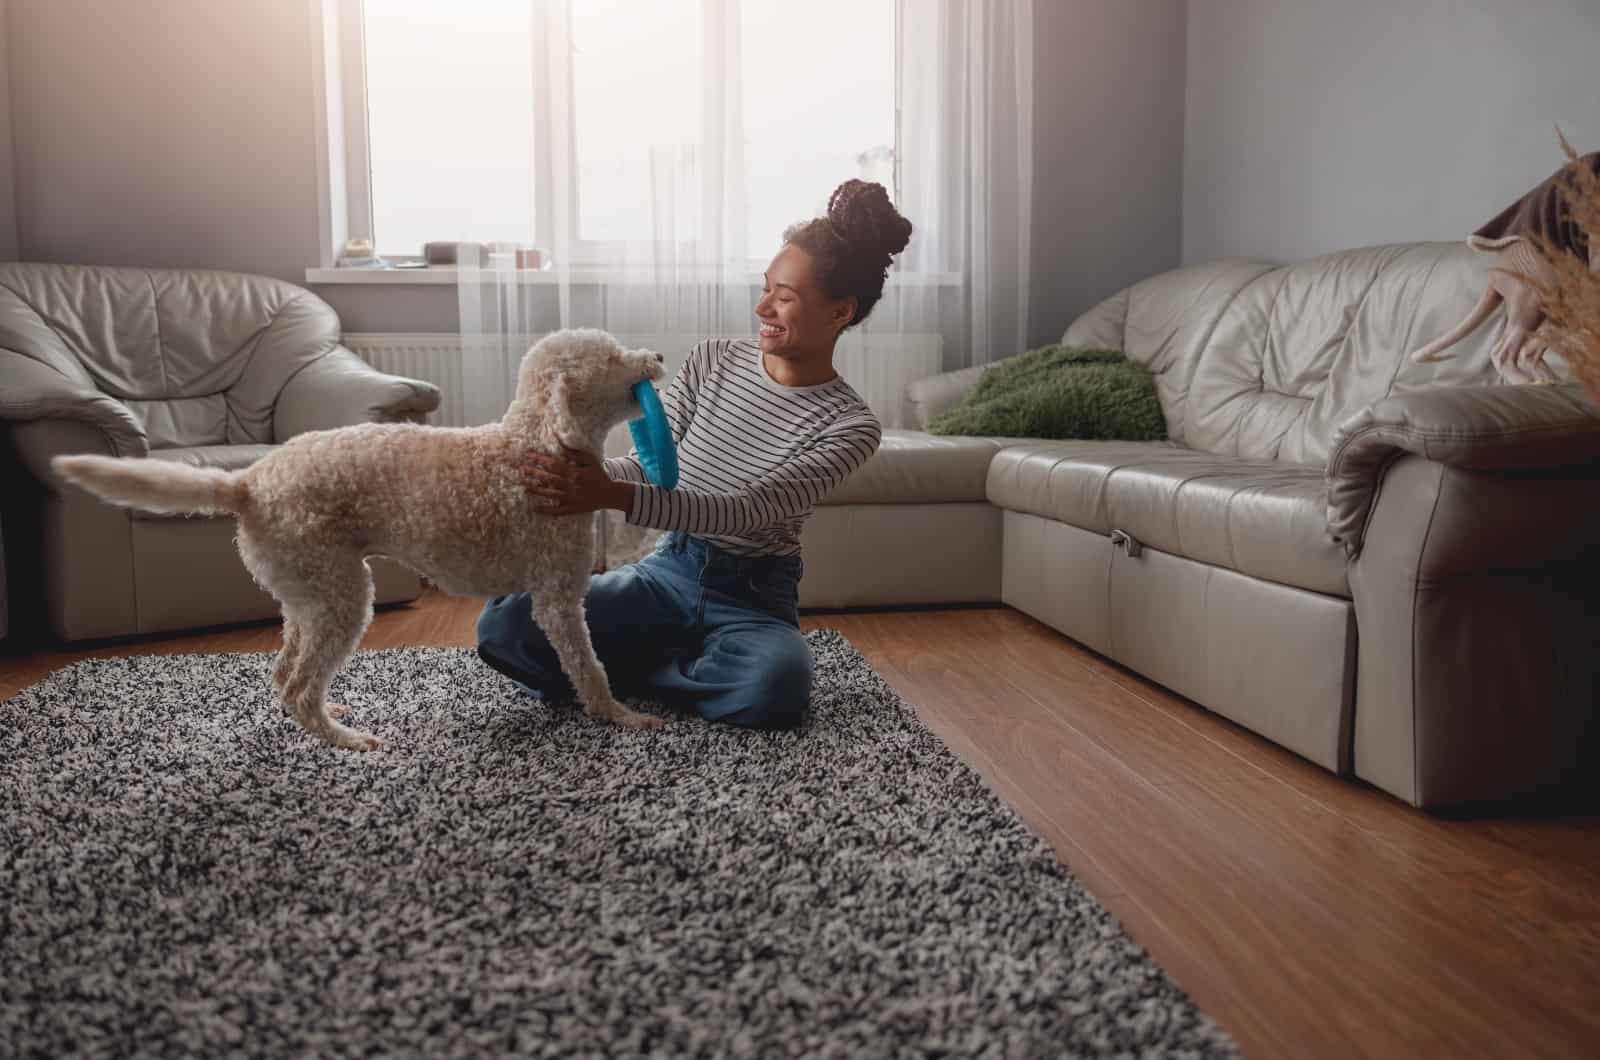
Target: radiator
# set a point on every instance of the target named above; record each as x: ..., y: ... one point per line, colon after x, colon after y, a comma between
x: 433, y: 359
x: 877, y: 366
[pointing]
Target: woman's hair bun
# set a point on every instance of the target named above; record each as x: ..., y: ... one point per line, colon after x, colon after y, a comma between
x: 860, y: 211
x: 853, y: 246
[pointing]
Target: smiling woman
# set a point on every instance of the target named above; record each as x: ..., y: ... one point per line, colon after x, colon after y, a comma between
x: 709, y: 622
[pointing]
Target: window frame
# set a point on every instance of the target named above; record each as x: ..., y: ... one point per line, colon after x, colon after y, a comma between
x: 344, y: 186
x: 343, y: 147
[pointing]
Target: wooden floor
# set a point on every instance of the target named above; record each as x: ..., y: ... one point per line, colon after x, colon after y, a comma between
x: 1311, y: 916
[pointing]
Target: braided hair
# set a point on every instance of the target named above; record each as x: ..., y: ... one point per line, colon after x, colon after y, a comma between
x: 854, y: 245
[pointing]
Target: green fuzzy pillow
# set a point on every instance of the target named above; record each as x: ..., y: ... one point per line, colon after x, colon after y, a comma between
x: 1060, y: 392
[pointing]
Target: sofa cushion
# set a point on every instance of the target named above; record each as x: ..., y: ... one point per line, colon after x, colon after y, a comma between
x: 1060, y: 391
x: 912, y: 467
x: 223, y: 457
x: 1263, y: 518
x: 181, y: 422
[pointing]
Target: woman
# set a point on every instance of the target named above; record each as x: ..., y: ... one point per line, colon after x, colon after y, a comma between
x: 764, y: 431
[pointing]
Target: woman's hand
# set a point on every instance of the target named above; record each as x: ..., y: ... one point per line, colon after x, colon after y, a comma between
x: 572, y: 484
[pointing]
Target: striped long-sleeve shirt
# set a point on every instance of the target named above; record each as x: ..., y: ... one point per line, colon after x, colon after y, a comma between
x: 754, y: 456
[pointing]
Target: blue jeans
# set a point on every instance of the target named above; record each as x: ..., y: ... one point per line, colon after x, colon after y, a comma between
x: 688, y: 626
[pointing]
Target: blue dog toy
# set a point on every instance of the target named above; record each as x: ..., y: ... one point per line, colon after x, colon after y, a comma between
x: 652, y: 437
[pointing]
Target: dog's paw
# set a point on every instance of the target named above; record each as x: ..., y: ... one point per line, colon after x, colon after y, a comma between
x: 632, y: 719
x: 337, y: 710
x: 355, y: 739
x: 617, y: 714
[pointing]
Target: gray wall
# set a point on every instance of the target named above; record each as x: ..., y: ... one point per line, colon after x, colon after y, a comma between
x: 164, y: 133
x: 179, y: 133
x: 8, y: 202
x: 1314, y: 127
x: 1108, y: 151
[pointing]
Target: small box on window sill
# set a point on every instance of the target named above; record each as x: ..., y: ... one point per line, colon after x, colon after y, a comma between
x: 452, y: 253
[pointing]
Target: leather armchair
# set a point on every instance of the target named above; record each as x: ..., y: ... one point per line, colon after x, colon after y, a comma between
x: 210, y: 368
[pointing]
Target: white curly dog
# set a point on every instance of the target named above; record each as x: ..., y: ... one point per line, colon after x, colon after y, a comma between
x: 450, y: 503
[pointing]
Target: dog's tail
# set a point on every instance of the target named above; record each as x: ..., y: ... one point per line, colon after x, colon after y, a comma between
x: 156, y: 485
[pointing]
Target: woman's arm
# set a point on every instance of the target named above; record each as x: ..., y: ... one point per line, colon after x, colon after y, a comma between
x: 781, y: 495
x: 581, y: 484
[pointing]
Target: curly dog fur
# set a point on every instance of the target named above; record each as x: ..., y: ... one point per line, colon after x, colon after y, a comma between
x: 449, y: 503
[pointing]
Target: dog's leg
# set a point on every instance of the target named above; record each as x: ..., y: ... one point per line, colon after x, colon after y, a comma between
x: 330, y: 630
x: 290, y: 660
x: 285, y: 666
x: 284, y: 581
x: 560, y: 615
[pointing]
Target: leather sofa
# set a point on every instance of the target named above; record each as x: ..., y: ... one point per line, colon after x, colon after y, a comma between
x: 1390, y: 568
x: 206, y: 368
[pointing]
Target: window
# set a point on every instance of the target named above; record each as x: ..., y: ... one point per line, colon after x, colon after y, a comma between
x: 665, y: 116
x: 638, y: 100
x: 450, y: 121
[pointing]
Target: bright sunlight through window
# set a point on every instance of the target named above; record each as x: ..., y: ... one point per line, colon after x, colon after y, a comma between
x: 454, y: 101
x: 449, y: 121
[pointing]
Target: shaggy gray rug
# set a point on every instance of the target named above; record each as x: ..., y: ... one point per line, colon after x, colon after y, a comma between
x: 185, y: 872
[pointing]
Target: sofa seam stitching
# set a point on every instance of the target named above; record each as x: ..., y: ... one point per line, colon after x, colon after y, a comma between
x: 254, y: 343
x: 161, y: 349
x: 1211, y: 330
x: 42, y: 319
x: 1416, y: 583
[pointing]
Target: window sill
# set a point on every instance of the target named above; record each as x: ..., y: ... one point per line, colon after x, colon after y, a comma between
x: 448, y: 276
x: 433, y: 276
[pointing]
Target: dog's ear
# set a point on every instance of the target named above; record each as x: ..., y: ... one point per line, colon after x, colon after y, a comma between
x: 559, y: 409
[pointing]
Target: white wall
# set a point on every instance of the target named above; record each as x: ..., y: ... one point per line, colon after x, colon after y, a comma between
x: 1108, y: 151
x: 8, y: 201
x: 1314, y: 127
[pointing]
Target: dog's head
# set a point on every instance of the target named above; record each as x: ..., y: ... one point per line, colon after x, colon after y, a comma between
x: 580, y: 382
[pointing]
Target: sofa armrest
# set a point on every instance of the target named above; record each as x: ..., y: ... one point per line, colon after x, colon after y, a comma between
x: 34, y: 391
x: 1472, y: 516
x: 340, y: 389
x: 932, y: 396
x: 1485, y: 428
x: 1479, y: 648
x: 74, y: 575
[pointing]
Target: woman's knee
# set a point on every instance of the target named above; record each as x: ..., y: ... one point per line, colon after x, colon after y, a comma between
x: 511, y: 643
x: 506, y: 624
x: 777, y: 694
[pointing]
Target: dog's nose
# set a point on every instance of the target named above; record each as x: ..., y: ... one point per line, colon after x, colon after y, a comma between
x: 661, y: 358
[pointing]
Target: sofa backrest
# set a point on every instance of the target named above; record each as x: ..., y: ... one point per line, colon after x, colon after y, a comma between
x: 1164, y: 323
x: 197, y: 356
x: 1265, y: 362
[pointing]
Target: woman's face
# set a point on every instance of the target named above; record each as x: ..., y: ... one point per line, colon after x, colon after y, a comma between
x: 797, y: 319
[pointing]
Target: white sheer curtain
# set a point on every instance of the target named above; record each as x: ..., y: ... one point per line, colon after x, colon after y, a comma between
x: 965, y: 177
x: 665, y: 129
x: 667, y: 268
